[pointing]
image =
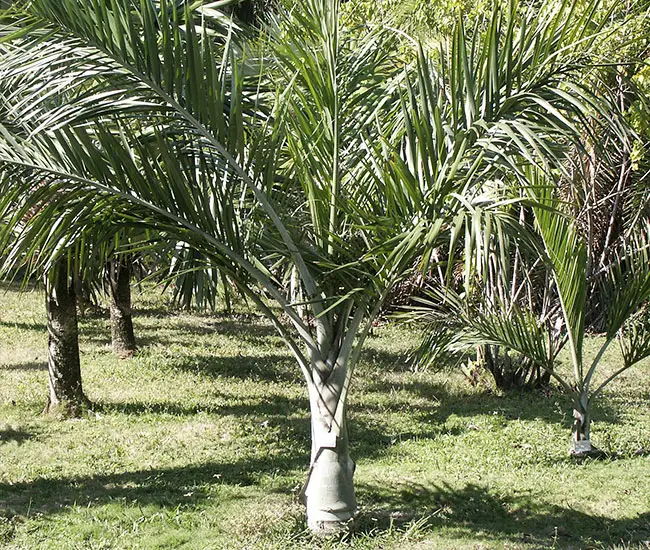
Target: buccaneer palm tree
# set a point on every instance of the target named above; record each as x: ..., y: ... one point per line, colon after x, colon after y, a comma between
x: 502, y: 269
x: 322, y: 159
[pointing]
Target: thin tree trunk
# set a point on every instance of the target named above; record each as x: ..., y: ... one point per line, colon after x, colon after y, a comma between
x: 581, y: 444
x: 66, y: 397
x: 329, y: 491
x: 119, y: 283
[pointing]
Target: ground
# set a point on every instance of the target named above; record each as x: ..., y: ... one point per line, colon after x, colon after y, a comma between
x: 201, y: 441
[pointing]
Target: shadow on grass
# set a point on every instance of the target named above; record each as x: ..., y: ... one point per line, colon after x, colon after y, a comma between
x: 35, y: 326
x: 386, y: 360
x: 27, y: 366
x: 286, y: 417
x: 178, y: 332
x: 283, y: 422
x: 477, y: 512
x: 8, y: 434
x: 185, y: 485
x: 472, y: 511
x: 273, y: 367
x: 187, y: 333
x: 272, y: 406
x: 553, y: 407
x: 163, y: 487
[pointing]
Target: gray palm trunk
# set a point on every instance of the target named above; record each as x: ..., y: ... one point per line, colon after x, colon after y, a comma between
x: 581, y: 427
x: 329, y: 491
x: 329, y: 494
x: 66, y: 396
x: 581, y: 444
x: 119, y: 284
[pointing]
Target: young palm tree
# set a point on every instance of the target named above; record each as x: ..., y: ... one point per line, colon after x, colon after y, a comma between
x: 624, y: 283
x: 321, y: 158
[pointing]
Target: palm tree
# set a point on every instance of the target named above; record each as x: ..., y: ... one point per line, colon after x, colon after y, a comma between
x: 494, y: 264
x: 624, y: 283
x: 318, y: 156
x: 66, y: 397
x: 64, y: 282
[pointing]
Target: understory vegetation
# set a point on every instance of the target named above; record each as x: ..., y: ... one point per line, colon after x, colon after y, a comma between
x: 202, y: 441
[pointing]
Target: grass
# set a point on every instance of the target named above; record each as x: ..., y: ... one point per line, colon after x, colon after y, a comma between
x: 202, y: 441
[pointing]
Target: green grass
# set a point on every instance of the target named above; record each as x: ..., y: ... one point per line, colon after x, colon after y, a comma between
x: 202, y: 441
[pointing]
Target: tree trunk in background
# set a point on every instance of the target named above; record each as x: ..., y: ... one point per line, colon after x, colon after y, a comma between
x: 83, y: 295
x: 254, y: 12
x: 119, y: 284
x: 66, y: 397
x: 245, y: 11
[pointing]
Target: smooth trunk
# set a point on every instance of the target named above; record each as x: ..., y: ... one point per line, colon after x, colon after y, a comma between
x: 581, y: 444
x: 329, y: 492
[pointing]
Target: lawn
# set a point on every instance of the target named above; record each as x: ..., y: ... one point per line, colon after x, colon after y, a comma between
x: 202, y: 441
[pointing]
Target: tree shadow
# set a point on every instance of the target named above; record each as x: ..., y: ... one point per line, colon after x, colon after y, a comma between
x: 481, y: 513
x: 287, y: 417
x: 273, y: 367
x: 263, y: 408
x: 552, y: 406
x: 163, y: 487
x: 35, y: 325
x: 8, y: 434
x: 182, y: 333
x: 472, y: 511
x: 27, y: 366
x: 369, y: 440
x: 155, y: 312
x: 387, y: 360
x: 190, y: 484
x: 251, y: 332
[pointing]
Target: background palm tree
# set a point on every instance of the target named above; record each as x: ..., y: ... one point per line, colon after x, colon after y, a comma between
x: 596, y: 232
x: 624, y: 283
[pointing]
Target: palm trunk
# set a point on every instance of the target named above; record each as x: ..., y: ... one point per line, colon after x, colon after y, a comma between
x: 119, y: 283
x: 329, y: 491
x: 581, y: 426
x: 82, y: 294
x: 66, y: 397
